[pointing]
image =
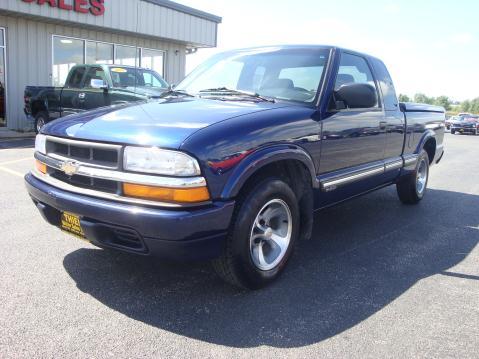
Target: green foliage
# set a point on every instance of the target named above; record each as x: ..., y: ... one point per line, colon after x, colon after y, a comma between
x: 471, y: 106
x: 421, y: 98
x: 443, y: 101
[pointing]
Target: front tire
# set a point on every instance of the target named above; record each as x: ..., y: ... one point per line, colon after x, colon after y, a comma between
x: 453, y: 132
x: 262, y: 235
x: 411, y: 188
x: 41, y: 119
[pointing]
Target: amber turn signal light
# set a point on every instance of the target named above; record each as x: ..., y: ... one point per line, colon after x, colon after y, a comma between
x: 41, y: 167
x: 180, y: 195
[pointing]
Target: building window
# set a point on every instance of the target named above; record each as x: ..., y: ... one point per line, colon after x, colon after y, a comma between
x: 99, y: 53
x: 152, y: 60
x: 127, y: 55
x: 68, y: 52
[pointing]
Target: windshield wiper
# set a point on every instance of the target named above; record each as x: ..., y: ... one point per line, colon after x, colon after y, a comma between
x: 173, y: 92
x: 224, y: 91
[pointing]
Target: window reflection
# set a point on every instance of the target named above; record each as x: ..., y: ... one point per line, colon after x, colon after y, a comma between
x: 152, y: 60
x: 66, y: 54
x: 99, y: 53
x: 127, y: 55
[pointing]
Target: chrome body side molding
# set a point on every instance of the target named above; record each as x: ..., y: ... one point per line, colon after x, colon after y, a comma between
x: 355, y: 175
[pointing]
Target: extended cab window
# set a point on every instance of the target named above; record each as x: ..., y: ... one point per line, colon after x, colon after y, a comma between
x: 75, y: 77
x: 354, y: 69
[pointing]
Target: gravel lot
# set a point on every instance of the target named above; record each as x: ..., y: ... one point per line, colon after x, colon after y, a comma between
x: 379, y: 279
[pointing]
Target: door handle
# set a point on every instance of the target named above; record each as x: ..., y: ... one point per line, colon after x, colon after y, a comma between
x: 382, y: 125
x: 81, y: 96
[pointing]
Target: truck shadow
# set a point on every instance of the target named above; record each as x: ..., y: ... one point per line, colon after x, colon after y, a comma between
x: 365, y: 254
x: 17, y: 143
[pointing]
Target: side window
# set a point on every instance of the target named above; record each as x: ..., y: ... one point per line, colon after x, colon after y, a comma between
x: 354, y: 69
x: 75, y: 77
x: 96, y: 73
x: 386, y: 85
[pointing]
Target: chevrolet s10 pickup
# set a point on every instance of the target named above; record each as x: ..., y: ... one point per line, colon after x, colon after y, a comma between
x: 232, y: 163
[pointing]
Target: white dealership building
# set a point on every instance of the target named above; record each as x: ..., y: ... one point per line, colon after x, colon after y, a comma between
x: 40, y: 40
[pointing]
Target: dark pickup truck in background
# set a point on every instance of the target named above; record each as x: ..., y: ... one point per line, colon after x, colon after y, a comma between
x: 233, y: 163
x: 91, y: 86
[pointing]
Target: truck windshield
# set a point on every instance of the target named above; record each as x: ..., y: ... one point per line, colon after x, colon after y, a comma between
x: 130, y: 77
x: 291, y: 74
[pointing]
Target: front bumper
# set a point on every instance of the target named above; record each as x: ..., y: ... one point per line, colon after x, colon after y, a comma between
x: 179, y: 234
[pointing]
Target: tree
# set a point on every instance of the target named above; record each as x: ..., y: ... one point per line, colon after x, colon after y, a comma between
x: 404, y: 98
x: 421, y: 98
x: 443, y: 101
x: 474, y: 105
x: 466, y: 106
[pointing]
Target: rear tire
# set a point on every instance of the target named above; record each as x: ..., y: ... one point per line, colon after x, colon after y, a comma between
x: 264, y: 229
x: 41, y: 119
x: 411, y: 188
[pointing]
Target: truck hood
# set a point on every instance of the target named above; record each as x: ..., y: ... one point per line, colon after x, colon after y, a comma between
x: 164, y: 123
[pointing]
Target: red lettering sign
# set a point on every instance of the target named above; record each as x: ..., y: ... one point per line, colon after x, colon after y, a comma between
x: 94, y: 7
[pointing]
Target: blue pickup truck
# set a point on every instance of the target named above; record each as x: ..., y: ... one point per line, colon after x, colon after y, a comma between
x: 231, y: 165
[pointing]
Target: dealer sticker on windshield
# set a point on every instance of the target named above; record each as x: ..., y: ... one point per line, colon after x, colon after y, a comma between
x: 118, y: 69
x: 71, y: 223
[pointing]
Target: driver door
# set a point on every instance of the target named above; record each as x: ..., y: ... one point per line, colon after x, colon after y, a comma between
x: 352, y: 139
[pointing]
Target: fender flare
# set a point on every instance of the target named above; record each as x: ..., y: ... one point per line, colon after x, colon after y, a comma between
x: 425, y: 137
x: 262, y: 157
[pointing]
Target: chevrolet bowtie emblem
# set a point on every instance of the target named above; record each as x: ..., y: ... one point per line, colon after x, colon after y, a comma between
x: 69, y: 167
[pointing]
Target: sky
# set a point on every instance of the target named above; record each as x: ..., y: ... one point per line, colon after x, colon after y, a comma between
x: 428, y: 46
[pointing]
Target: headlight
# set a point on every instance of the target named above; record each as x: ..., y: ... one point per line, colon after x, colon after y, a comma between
x: 158, y: 161
x: 41, y: 144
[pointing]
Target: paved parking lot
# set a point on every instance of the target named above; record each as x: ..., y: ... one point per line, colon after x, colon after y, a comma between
x: 379, y: 279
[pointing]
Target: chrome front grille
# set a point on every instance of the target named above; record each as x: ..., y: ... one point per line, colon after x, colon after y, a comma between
x: 98, y: 184
x: 95, y: 169
x: 90, y: 153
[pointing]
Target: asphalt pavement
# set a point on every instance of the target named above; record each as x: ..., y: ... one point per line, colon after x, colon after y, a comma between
x: 378, y: 279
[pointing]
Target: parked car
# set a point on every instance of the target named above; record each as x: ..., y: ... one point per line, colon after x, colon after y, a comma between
x: 91, y: 86
x: 466, y: 124
x: 232, y: 163
x: 451, y: 120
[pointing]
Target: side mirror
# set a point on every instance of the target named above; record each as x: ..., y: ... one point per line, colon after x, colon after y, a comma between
x: 98, y: 84
x: 355, y: 95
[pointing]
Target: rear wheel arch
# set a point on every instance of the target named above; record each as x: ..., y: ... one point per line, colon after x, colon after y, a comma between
x: 430, y: 148
x: 38, y: 106
x: 428, y: 143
